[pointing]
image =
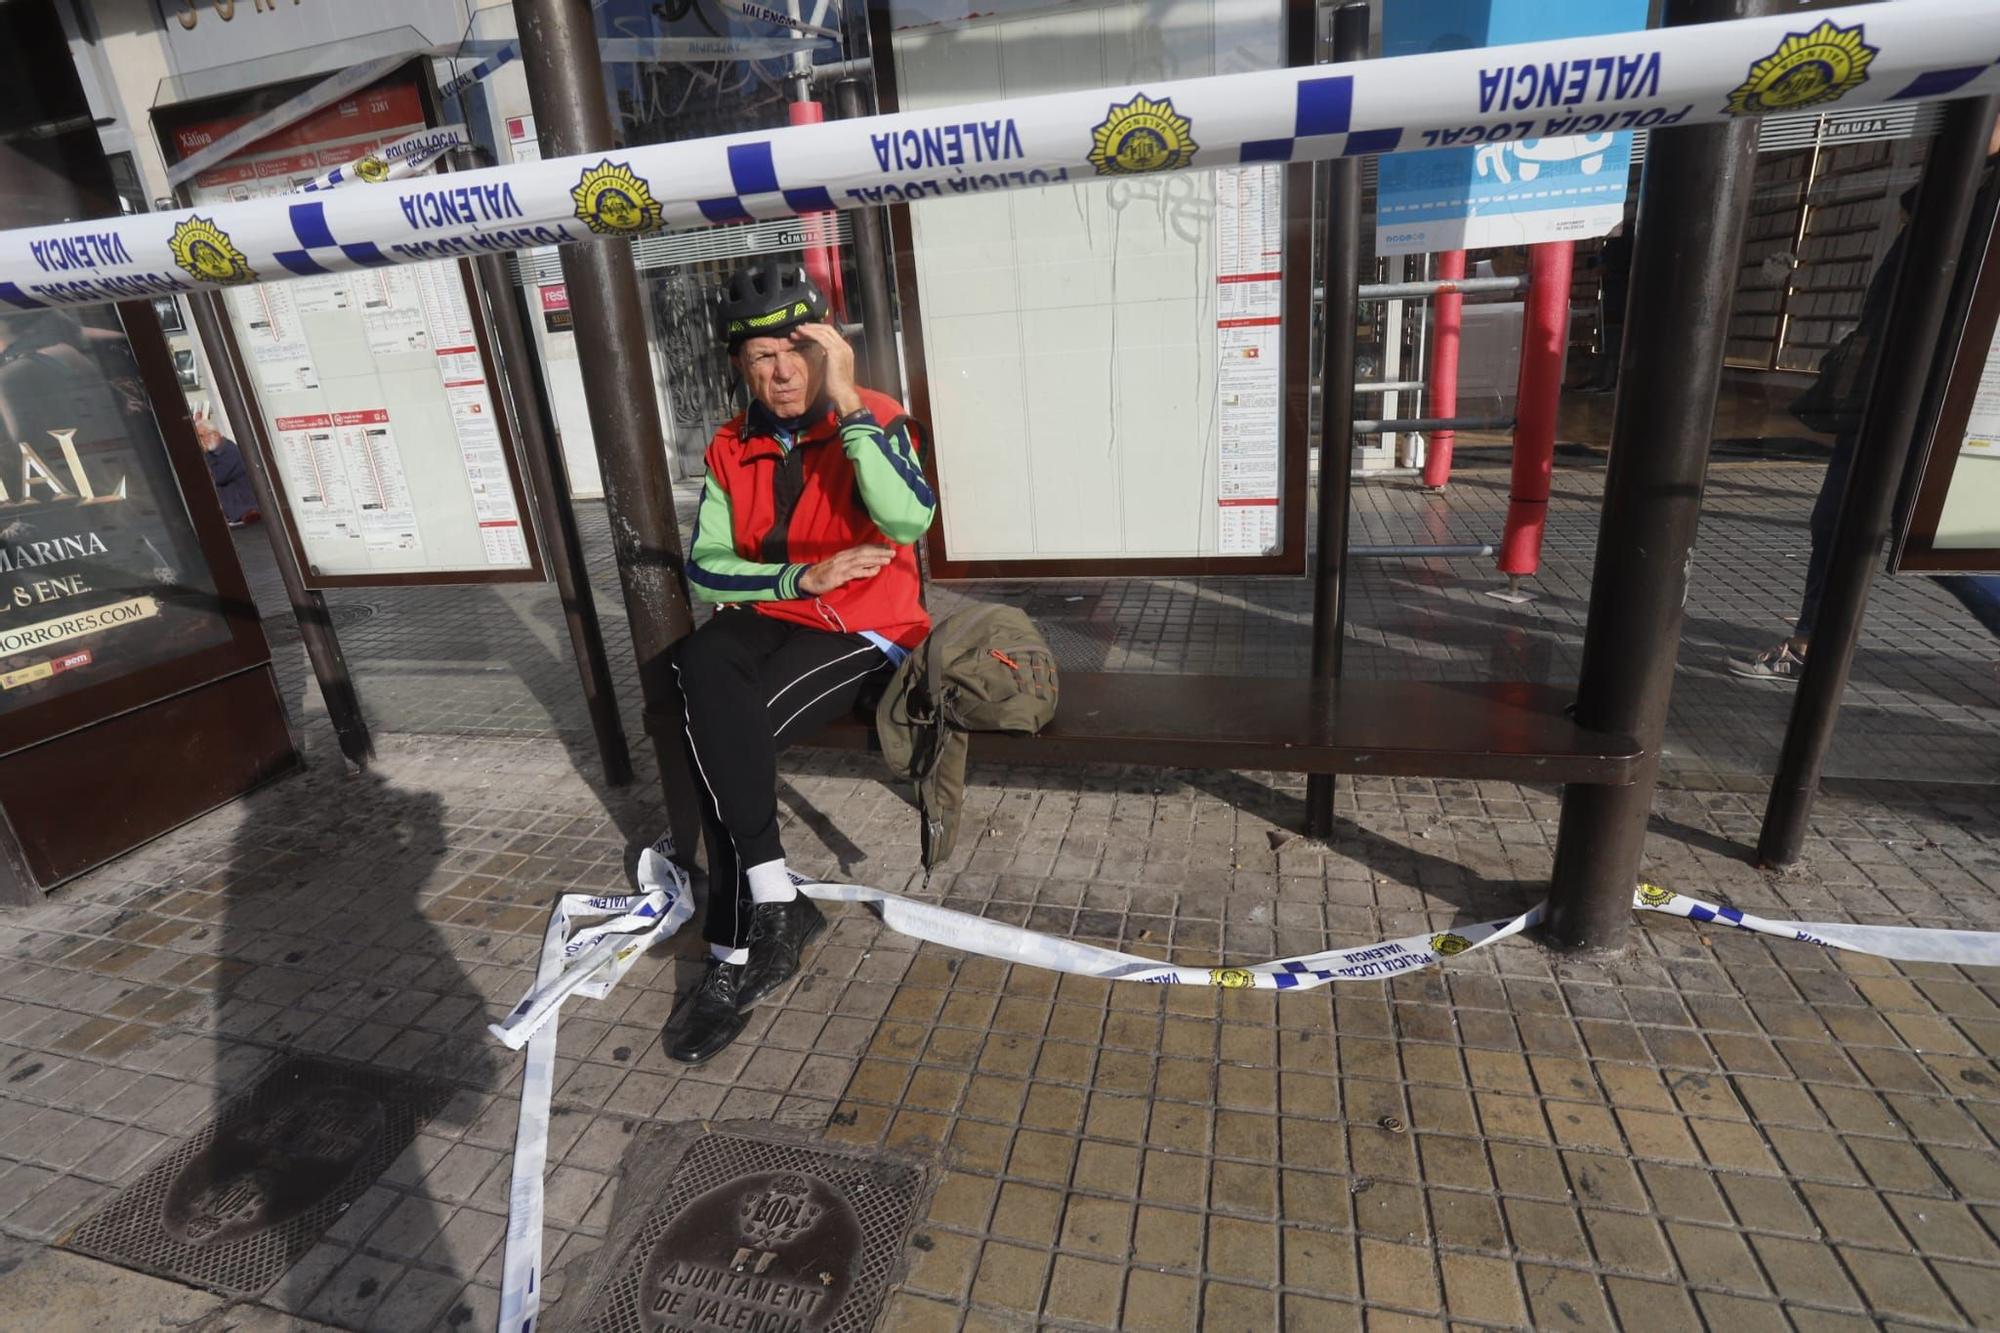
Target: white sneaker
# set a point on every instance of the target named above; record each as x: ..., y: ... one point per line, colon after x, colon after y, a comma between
x: 1779, y: 663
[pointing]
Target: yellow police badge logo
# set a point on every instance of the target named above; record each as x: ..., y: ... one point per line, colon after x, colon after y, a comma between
x: 207, y: 253
x: 613, y: 200
x: 372, y: 169
x: 1807, y: 68
x: 1448, y: 944
x: 1230, y: 978
x: 1652, y: 895
x: 1140, y: 136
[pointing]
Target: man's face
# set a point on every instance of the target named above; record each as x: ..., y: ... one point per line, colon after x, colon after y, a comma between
x: 786, y: 376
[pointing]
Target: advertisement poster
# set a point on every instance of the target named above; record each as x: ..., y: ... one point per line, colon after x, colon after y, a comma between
x: 100, y: 572
x: 555, y: 307
x: 373, y: 385
x: 1502, y: 191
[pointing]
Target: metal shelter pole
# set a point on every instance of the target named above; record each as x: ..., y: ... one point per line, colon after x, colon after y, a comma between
x: 1930, y: 258
x: 1342, y: 280
x: 566, y: 88
x: 871, y: 263
x: 329, y: 664
x: 1683, y: 281
x: 541, y: 447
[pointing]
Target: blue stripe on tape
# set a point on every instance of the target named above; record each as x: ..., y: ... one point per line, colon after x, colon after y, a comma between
x: 1697, y: 912
x: 14, y: 296
x: 751, y: 169
x: 1361, y: 143
x: 1939, y: 82
x: 724, y: 210
x: 366, y: 253
x: 1325, y: 106
x: 1285, y: 980
x: 1265, y: 150
x: 299, y: 262
x: 1730, y: 914
x: 814, y: 199
x: 309, y: 225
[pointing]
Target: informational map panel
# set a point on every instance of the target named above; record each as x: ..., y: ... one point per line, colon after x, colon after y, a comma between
x: 1249, y: 273
x: 375, y: 388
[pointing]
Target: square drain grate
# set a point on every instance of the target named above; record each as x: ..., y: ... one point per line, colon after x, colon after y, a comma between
x: 756, y: 1233
x: 243, y: 1199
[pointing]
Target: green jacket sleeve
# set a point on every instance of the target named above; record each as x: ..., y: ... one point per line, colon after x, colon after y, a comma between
x: 715, y: 569
x: 899, y: 500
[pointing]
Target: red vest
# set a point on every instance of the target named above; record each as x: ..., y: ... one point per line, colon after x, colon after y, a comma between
x: 827, y: 518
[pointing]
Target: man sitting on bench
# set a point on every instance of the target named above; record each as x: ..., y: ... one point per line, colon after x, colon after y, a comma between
x: 814, y: 496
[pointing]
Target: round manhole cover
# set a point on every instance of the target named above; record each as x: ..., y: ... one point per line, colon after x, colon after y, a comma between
x: 344, y: 614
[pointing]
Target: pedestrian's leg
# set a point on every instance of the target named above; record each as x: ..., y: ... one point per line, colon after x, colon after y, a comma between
x: 814, y: 678
x: 720, y: 668
x: 1825, y: 518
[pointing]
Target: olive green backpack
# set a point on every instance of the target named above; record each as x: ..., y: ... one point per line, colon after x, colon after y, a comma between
x: 986, y: 668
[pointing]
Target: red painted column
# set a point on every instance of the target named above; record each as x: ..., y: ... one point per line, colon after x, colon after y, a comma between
x: 1544, y: 350
x: 822, y: 257
x: 1448, y: 318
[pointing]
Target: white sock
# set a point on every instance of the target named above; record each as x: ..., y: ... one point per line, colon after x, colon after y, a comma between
x: 724, y: 954
x: 771, y: 883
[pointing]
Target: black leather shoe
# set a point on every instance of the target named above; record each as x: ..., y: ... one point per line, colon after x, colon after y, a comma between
x: 708, y: 1019
x: 779, y: 933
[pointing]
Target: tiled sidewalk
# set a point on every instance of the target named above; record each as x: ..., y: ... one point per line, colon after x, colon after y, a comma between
x: 1718, y: 1130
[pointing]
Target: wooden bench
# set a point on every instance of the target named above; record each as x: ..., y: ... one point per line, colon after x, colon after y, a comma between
x: 1508, y: 731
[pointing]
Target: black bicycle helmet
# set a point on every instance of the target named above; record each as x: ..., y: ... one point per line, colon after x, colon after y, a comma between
x: 768, y: 298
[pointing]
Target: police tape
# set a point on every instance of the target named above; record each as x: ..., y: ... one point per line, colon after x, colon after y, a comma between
x: 1014, y: 944
x: 392, y: 161
x: 590, y: 960
x: 1906, y: 944
x: 635, y: 51
x: 779, y: 18
x: 1859, y: 55
x: 324, y: 93
x: 587, y: 961
x: 484, y: 70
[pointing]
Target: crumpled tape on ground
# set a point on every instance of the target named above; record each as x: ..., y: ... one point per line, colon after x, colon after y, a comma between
x: 588, y: 962
x: 592, y: 959
x: 996, y: 939
x: 1908, y: 944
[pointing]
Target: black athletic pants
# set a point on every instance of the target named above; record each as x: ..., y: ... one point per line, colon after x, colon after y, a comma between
x: 754, y: 685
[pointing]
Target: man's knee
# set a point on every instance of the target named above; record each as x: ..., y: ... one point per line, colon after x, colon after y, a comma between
x: 713, y: 653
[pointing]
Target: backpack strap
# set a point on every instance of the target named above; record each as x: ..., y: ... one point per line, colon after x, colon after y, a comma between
x: 934, y: 681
